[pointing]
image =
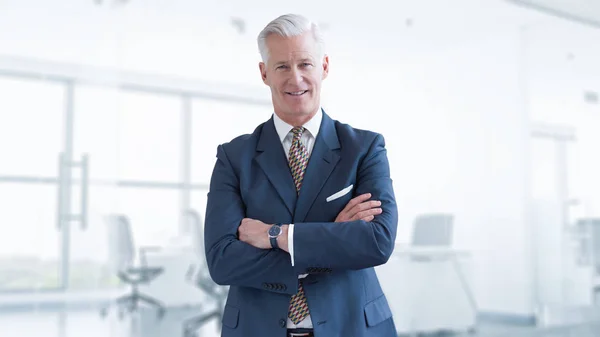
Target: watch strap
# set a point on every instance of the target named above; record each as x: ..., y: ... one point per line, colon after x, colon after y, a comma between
x: 273, y: 239
x: 274, y: 243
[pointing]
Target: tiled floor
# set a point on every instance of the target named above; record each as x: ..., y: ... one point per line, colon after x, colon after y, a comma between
x: 91, y: 324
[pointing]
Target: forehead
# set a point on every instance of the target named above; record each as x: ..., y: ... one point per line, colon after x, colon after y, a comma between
x: 282, y: 48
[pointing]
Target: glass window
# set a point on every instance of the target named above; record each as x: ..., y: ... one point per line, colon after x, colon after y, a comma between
x: 214, y: 123
x: 129, y: 136
x: 89, y: 250
x: 31, y: 127
x: 29, y: 244
x: 153, y: 214
x: 198, y: 202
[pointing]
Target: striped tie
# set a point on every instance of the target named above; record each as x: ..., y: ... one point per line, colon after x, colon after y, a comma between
x: 298, y: 159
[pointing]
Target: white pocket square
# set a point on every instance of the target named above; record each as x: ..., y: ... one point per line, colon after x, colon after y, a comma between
x: 340, y: 193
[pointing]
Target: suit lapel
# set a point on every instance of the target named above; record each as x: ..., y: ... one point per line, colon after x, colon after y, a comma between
x: 323, y: 160
x: 272, y: 160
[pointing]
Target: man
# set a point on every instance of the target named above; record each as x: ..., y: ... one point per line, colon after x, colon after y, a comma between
x: 301, y: 210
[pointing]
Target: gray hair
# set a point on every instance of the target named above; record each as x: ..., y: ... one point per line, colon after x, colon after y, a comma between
x: 289, y: 25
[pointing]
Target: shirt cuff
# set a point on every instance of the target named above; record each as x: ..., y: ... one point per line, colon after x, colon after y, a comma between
x: 291, y: 241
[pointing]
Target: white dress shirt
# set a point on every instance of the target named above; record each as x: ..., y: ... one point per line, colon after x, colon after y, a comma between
x: 308, y: 139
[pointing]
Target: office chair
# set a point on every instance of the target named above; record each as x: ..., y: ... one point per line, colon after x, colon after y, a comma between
x: 433, y: 230
x: 591, y: 241
x: 122, y: 256
x: 596, y: 244
x: 199, y: 275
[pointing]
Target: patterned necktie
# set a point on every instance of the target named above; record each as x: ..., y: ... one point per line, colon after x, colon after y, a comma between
x: 298, y: 159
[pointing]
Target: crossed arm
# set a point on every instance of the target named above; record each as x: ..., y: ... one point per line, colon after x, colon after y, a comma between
x: 238, y: 251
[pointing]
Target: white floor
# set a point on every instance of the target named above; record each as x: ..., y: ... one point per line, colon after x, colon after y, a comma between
x: 84, y: 323
x: 89, y: 323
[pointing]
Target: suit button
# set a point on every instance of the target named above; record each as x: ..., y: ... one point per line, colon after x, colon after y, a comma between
x: 282, y: 323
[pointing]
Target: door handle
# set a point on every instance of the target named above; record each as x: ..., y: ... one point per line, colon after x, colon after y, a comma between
x: 63, y: 175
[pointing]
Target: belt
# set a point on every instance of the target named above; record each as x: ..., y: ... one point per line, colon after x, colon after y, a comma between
x: 300, y: 333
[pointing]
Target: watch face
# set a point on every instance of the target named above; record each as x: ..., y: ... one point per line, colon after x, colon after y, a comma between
x: 274, y: 230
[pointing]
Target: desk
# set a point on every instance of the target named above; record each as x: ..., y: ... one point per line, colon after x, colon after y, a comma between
x: 428, y: 290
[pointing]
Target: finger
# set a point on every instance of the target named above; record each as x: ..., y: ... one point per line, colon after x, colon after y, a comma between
x: 363, y: 214
x: 356, y: 201
x: 363, y: 207
x: 369, y: 218
x: 366, y: 205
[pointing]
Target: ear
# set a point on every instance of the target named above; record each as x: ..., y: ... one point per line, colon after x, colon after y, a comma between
x: 263, y: 72
x: 325, y: 67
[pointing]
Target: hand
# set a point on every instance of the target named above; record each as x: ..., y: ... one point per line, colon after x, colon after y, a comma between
x: 255, y: 233
x: 360, y: 209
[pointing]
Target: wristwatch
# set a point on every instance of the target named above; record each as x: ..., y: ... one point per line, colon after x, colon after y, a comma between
x: 274, y: 232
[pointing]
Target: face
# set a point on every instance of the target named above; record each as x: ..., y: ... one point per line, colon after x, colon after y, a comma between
x: 294, y: 72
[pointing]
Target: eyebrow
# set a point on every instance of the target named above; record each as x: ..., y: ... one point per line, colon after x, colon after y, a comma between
x: 306, y: 59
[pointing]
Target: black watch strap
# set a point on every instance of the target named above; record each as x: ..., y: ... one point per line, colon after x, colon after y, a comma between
x: 274, y: 243
x: 273, y: 237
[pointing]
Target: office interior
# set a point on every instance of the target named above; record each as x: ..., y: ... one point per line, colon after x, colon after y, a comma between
x: 111, y: 112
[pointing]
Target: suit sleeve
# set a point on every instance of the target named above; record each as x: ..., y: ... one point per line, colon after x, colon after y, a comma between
x: 355, y: 244
x: 231, y: 261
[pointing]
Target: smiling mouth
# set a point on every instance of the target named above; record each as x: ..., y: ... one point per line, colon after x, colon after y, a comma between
x: 296, y: 93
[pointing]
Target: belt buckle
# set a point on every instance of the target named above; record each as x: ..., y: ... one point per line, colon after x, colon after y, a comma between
x: 299, y: 334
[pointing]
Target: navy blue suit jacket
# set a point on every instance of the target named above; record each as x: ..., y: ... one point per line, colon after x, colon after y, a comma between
x: 252, y: 179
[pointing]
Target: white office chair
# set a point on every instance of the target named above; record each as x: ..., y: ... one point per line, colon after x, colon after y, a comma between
x: 594, y: 230
x: 434, y: 229
x: 591, y: 245
x: 121, y: 260
x: 198, y: 274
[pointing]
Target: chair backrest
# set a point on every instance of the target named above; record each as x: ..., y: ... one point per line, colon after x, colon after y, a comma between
x: 200, y: 270
x: 196, y: 226
x: 121, y: 250
x: 433, y: 230
x: 592, y: 227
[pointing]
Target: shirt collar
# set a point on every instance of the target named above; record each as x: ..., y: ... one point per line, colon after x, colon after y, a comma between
x: 313, y: 125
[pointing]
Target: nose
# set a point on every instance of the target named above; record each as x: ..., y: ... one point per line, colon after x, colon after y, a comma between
x: 296, y: 76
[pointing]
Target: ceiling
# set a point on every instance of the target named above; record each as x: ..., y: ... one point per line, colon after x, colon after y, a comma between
x: 583, y: 11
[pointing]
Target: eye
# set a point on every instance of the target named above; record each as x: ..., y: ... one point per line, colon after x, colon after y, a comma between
x: 282, y: 67
x: 306, y: 64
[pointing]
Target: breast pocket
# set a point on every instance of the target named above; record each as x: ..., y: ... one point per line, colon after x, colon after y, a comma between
x: 340, y: 194
x: 330, y: 203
